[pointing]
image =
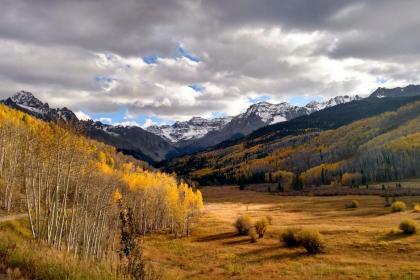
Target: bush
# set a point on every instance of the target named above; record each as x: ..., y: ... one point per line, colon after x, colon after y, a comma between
x: 416, y: 207
x: 311, y: 240
x: 352, y: 204
x: 408, y: 226
x: 398, y: 206
x: 261, y: 227
x: 253, y: 234
x: 289, y: 237
x: 243, y: 224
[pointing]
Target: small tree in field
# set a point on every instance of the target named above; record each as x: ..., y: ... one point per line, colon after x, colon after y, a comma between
x: 261, y: 227
x: 408, y: 226
x: 243, y: 224
x: 311, y: 240
x: 398, y: 206
x: 289, y: 237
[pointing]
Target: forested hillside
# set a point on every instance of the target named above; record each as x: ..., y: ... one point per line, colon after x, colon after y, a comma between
x: 82, y: 196
x: 379, y: 148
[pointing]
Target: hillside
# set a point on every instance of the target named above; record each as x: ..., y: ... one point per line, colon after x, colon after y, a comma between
x: 199, y: 133
x: 83, y: 197
x: 131, y: 140
x: 336, y: 146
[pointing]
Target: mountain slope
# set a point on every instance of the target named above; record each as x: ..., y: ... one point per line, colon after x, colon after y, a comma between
x: 257, y: 115
x: 131, y: 140
x: 194, y: 128
x: 411, y: 90
x: 300, y: 144
x: 28, y: 103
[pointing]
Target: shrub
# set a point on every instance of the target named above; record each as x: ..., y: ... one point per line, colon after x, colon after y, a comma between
x: 261, y: 227
x: 243, y: 224
x: 408, y: 226
x: 311, y: 240
x: 253, y: 234
x: 416, y: 207
x: 352, y: 204
x: 289, y: 237
x: 398, y: 206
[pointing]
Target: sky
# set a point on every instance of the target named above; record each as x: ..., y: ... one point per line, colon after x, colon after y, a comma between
x: 139, y: 62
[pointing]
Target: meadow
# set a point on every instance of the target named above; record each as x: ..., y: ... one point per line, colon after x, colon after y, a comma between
x: 361, y: 243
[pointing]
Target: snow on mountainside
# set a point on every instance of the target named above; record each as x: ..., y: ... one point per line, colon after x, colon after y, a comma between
x: 194, y: 128
x: 265, y: 112
x: 316, y: 106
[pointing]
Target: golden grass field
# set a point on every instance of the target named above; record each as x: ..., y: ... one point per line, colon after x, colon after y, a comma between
x: 362, y: 243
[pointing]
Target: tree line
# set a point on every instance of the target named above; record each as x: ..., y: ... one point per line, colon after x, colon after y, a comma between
x: 74, y: 189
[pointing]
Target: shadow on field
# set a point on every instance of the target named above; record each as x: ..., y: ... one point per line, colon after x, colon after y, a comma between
x: 285, y: 255
x: 266, y: 249
x: 243, y: 240
x: 215, y: 237
x: 391, y: 236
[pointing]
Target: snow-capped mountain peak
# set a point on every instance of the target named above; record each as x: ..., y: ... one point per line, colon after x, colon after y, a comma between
x: 194, y: 128
x: 314, y: 106
x: 257, y: 115
x: 26, y: 101
x: 271, y: 113
x: 29, y: 102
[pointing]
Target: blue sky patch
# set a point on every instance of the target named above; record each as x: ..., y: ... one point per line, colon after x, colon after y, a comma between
x: 303, y: 100
x: 381, y: 80
x: 102, y: 79
x: 197, y: 87
x: 258, y: 99
x: 150, y: 59
x: 120, y: 116
x: 217, y: 115
x: 184, y: 53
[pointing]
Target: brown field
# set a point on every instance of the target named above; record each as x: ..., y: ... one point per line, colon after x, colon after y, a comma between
x: 362, y: 243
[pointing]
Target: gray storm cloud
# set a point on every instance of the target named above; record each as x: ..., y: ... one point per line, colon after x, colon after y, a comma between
x: 88, y: 55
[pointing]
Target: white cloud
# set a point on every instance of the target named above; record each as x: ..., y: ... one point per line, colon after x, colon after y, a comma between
x: 265, y: 48
x: 147, y: 123
x: 82, y: 116
x: 127, y: 123
x: 105, y: 120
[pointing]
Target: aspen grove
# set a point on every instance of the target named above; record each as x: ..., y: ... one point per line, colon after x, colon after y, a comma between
x: 71, y: 187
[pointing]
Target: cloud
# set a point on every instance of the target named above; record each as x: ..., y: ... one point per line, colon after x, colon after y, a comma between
x: 176, y: 59
x: 82, y: 116
x: 147, y: 123
x: 127, y: 123
x: 105, y: 120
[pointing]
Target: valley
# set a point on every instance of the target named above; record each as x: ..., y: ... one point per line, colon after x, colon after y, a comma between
x: 361, y: 243
x: 344, y: 177
x: 209, y: 140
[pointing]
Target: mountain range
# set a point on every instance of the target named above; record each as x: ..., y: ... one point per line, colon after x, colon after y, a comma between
x: 370, y: 140
x: 157, y: 143
x: 256, y: 116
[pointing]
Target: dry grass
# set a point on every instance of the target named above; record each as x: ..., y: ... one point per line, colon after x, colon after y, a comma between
x: 359, y: 242
x: 23, y: 258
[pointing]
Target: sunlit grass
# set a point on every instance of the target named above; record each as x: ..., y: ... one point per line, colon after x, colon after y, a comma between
x: 358, y: 242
